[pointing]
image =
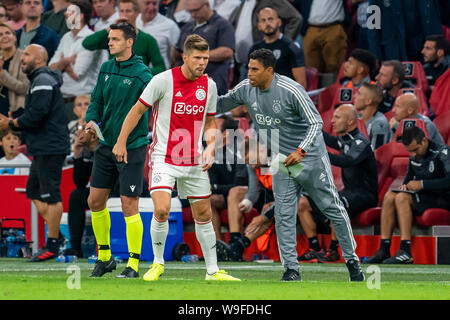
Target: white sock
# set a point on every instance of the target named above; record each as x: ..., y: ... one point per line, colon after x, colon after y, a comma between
x: 158, y: 232
x: 207, y: 239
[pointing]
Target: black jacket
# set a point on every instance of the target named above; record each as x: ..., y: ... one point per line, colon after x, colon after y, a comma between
x: 433, y: 170
x: 44, y: 122
x: 356, y: 158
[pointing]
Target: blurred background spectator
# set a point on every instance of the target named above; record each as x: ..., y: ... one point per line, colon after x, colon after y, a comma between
x: 13, y: 82
x: 15, y: 13
x: 55, y: 19
x: 34, y: 32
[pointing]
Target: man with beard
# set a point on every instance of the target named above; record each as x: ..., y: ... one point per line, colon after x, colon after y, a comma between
x: 436, y: 57
x: 44, y: 124
x: 289, y: 55
x: 391, y: 78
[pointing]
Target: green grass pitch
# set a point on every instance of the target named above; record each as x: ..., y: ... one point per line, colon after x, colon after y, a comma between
x: 21, y: 280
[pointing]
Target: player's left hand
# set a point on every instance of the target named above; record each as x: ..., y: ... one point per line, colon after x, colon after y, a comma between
x: 120, y: 152
x: 208, y: 157
x: 414, y: 185
x: 292, y: 159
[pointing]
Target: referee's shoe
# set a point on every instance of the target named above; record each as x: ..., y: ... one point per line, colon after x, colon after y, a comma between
x: 102, y: 267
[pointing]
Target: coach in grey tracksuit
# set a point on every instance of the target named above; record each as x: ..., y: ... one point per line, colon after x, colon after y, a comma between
x: 291, y: 121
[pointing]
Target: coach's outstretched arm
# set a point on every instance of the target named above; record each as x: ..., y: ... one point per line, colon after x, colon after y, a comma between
x: 130, y: 122
x: 232, y: 99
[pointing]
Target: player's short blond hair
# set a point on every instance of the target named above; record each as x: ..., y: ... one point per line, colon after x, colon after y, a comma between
x: 195, y: 42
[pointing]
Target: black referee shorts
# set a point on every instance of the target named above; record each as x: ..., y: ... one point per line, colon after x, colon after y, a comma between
x: 107, y: 172
x: 44, y: 180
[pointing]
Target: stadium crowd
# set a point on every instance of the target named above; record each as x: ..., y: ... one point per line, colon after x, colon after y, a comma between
x: 372, y: 74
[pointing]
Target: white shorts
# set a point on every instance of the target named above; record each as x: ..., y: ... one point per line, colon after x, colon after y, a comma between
x: 191, y: 181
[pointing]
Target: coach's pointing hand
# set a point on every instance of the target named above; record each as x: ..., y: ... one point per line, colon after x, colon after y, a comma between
x: 120, y: 152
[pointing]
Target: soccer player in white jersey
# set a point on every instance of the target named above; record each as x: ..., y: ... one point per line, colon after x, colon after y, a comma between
x: 183, y: 100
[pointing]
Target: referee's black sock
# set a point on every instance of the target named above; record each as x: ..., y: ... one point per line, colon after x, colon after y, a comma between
x: 405, y: 245
x: 314, y: 243
x: 385, y: 245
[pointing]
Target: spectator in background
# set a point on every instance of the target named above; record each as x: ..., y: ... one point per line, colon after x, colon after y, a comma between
x: 391, y: 78
x: 436, y: 57
x: 358, y: 68
x: 422, y: 189
x: 245, y: 22
x: 228, y: 174
x: 80, y: 107
x: 163, y: 29
x: 406, y: 107
x: 56, y: 19
x: 289, y: 55
x: 402, y: 29
x: 10, y: 141
x: 175, y: 10
x: 3, y: 15
x: 259, y: 195
x: 367, y: 99
x: 325, y: 40
x: 219, y: 34
x: 13, y: 81
x: 79, y: 66
x: 47, y: 140
x: 83, y: 157
x: 145, y: 45
x: 359, y: 175
x: 15, y: 14
x: 34, y: 32
x: 224, y: 8
x: 361, y: 19
x: 106, y: 11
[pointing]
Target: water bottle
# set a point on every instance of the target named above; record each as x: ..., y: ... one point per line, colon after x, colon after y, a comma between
x: 190, y: 258
x: 92, y: 259
x: 66, y: 259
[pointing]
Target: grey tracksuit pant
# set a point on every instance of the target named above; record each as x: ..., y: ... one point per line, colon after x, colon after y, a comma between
x: 317, y: 180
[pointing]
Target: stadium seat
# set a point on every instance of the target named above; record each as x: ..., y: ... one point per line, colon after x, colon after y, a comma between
x: 433, y: 217
x: 187, y: 215
x: 415, y: 73
x: 325, y: 98
x: 327, y: 126
x: 312, y: 78
x: 423, y: 104
x: 442, y: 122
x: 368, y: 217
x: 343, y: 95
x: 440, y: 96
x: 446, y: 32
x: 410, y: 122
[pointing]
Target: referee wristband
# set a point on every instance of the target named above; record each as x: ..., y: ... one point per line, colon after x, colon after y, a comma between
x: 301, y: 152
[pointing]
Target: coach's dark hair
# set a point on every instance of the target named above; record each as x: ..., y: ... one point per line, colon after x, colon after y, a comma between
x: 265, y: 57
x: 85, y: 7
x: 399, y: 69
x: 412, y: 133
x: 129, y: 32
x: 441, y: 43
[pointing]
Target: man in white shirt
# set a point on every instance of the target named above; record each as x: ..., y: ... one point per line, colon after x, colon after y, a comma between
x: 79, y: 66
x: 106, y: 10
x: 163, y: 29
